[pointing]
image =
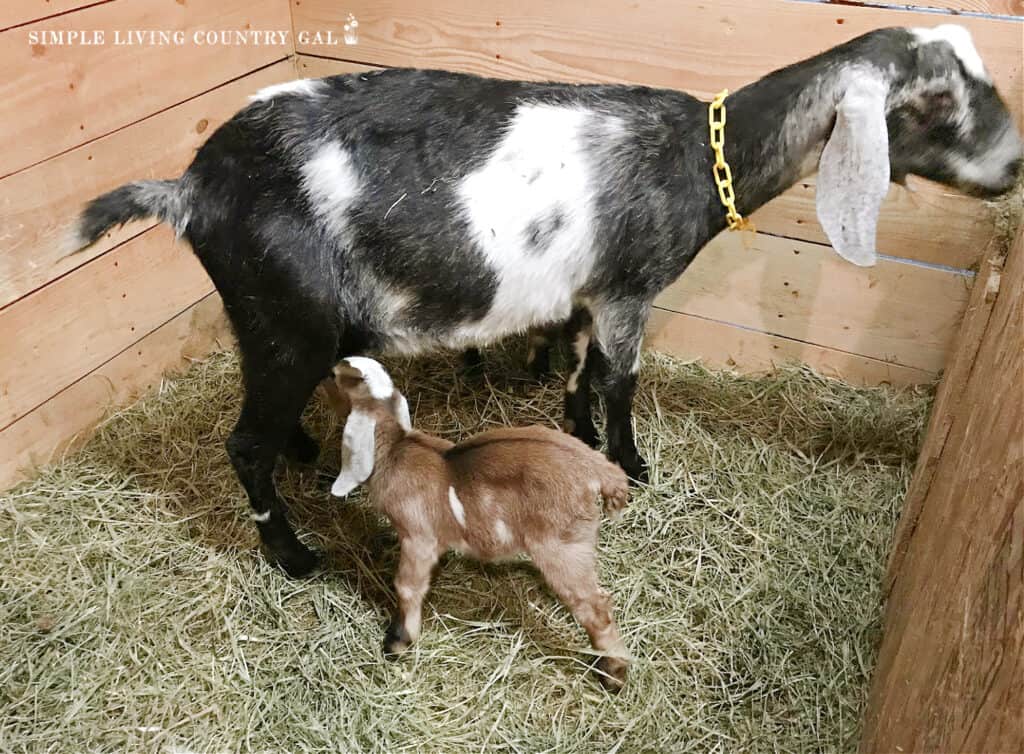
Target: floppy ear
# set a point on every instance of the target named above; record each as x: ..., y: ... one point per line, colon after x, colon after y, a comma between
x: 402, y: 411
x: 853, y: 175
x: 357, y: 446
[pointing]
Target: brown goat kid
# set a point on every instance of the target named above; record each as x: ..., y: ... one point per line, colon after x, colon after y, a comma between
x: 498, y: 494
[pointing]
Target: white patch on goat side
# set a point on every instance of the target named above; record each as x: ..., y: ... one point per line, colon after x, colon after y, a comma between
x: 456, y: 505
x: 332, y: 184
x: 300, y: 87
x: 963, y: 46
x: 377, y: 380
x: 538, y: 177
x: 580, y: 348
x: 502, y: 533
x: 261, y: 518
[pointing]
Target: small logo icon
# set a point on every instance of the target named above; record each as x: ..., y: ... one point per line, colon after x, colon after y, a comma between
x: 351, y: 30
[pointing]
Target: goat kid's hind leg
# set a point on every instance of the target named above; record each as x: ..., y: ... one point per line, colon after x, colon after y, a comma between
x: 579, y: 420
x: 275, y: 395
x: 412, y: 582
x: 571, y: 572
x: 618, y: 334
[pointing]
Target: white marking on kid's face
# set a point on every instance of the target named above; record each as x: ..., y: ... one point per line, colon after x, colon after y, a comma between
x: 580, y: 349
x: 300, y: 87
x: 990, y: 169
x: 456, y: 505
x: 377, y: 380
x: 962, y: 43
x: 502, y: 533
x: 332, y: 184
x: 540, y: 171
x: 260, y: 518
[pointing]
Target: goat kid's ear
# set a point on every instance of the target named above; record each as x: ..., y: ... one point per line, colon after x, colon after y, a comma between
x: 402, y: 411
x: 853, y: 174
x: 357, y: 451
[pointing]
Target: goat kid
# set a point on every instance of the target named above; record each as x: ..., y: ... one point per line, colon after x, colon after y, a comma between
x: 494, y: 496
x: 403, y: 211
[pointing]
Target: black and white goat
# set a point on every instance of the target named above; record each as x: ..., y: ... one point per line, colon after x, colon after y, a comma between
x: 404, y: 210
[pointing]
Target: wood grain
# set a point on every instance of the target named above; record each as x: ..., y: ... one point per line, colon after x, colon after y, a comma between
x: 15, y: 12
x: 40, y: 205
x: 720, y: 345
x: 895, y: 312
x: 950, y: 668
x: 991, y: 7
x: 55, y: 97
x: 65, y: 421
x: 73, y: 325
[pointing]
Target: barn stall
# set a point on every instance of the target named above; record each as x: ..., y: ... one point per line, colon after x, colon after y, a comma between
x: 750, y: 574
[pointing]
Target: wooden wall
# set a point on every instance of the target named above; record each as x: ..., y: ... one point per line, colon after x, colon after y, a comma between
x: 950, y: 673
x: 789, y: 297
x: 81, y: 332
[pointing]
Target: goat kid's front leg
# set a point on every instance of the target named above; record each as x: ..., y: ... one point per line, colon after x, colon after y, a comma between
x: 618, y: 332
x: 412, y: 582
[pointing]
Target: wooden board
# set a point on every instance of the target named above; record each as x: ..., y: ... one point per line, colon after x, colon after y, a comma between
x: 894, y: 312
x: 65, y: 420
x: 16, y: 12
x: 950, y: 668
x: 695, y: 46
x: 989, y: 7
x: 41, y: 204
x: 720, y: 345
x: 73, y: 325
x: 55, y: 97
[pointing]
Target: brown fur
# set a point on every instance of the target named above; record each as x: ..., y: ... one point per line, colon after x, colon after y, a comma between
x: 526, y: 490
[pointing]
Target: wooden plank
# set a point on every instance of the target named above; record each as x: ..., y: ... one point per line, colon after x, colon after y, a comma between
x: 54, y: 97
x: 950, y: 668
x: 989, y: 7
x: 65, y: 421
x: 895, y: 312
x: 696, y: 46
x: 723, y: 346
x: 16, y: 12
x: 41, y: 204
x: 311, y: 67
x: 73, y: 325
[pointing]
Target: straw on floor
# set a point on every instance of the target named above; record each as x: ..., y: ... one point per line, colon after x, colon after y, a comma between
x: 136, y: 613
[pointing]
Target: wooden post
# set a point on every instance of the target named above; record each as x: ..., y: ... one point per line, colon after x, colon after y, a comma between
x: 950, y: 673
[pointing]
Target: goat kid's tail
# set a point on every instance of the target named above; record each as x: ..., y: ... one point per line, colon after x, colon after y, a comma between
x: 166, y: 200
x: 614, y: 487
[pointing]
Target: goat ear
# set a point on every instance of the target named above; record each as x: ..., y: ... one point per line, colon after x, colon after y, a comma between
x: 357, y: 446
x: 853, y: 175
x: 402, y: 411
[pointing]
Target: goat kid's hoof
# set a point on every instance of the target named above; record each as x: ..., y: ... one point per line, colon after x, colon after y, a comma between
x: 396, y: 641
x: 299, y: 563
x: 611, y: 672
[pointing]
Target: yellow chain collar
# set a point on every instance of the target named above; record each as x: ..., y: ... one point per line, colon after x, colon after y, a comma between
x: 723, y: 173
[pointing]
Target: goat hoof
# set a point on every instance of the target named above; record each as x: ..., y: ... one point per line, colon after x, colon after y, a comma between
x: 635, y: 467
x: 611, y: 672
x: 301, y: 447
x: 299, y: 563
x: 586, y: 433
x: 396, y: 640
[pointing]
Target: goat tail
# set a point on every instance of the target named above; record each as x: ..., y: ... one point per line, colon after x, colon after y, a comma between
x: 614, y: 487
x: 166, y: 200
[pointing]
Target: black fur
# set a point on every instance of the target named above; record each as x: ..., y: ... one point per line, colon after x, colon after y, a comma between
x: 405, y: 268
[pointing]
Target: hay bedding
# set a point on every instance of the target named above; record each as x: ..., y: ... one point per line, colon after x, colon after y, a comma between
x: 137, y: 614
